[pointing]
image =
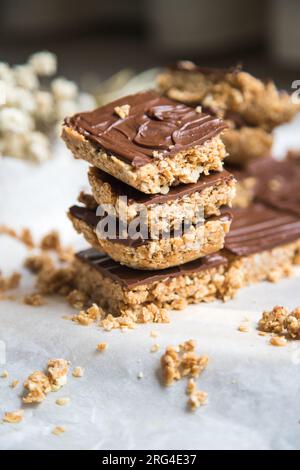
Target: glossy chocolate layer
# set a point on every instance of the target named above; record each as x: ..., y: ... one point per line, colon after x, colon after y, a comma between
x: 154, y: 124
x: 175, y: 192
x: 278, y: 183
x: 89, y: 217
x: 260, y: 228
x: 130, y: 278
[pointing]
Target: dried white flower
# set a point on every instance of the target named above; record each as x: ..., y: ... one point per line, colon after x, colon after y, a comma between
x: 37, y: 147
x: 65, y: 108
x: 6, y: 73
x: 15, y: 120
x: 20, y: 98
x: 44, y: 105
x: 64, y: 89
x: 43, y: 63
x: 25, y: 77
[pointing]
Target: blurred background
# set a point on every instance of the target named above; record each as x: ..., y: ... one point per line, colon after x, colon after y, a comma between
x: 95, y: 39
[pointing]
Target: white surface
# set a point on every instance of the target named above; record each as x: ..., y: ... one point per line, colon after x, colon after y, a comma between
x: 253, y: 387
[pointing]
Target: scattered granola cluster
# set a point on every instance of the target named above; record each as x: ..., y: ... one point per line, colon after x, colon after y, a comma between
x: 281, y: 322
x: 13, y: 417
x: 33, y: 105
x: 182, y: 361
x: 39, y: 384
x: 91, y: 315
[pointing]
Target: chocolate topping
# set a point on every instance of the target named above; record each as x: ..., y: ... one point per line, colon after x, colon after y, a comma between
x: 175, y: 192
x: 130, y: 277
x: 89, y: 217
x: 278, y: 183
x: 154, y: 124
x: 260, y: 228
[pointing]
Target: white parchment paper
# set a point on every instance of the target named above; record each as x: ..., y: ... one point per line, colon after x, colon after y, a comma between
x: 253, y: 387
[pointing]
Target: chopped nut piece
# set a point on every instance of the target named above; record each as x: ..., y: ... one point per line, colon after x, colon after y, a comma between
x: 191, y: 387
x: 57, y: 371
x: 78, y: 371
x: 198, y: 109
x: 14, y: 383
x: 198, y: 398
x: 63, y: 401
x: 154, y: 348
x: 273, y: 321
x: 13, y: 417
x: 278, y: 341
x: 58, y: 430
x: 262, y: 333
x: 122, y: 111
x: 102, y: 346
x: 153, y: 334
x: 35, y: 300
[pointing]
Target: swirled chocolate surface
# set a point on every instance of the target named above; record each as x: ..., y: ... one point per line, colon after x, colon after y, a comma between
x: 130, y: 277
x: 260, y: 228
x: 155, y: 124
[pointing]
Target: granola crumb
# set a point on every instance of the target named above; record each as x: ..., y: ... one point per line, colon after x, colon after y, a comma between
x: 196, y: 399
x: 244, y: 328
x: 77, y: 299
x: 37, y: 263
x: 153, y: 334
x: 154, y: 348
x: 262, y: 333
x: 51, y: 241
x: 14, y: 383
x: 37, y: 386
x: 140, y: 375
x: 191, y: 386
x: 273, y: 321
x: 34, y: 299
x: 13, y: 417
x: 4, y: 374
x: 102, y: 347
x: 123, y: 323
x: 122, y: 111
x: 182, y: 362
x: 57, y: 372
x: 10, y: 282
x: 292, y: 323
x: 78, y: 372
x: 58, y: 430
x: 63, y: 401
x: 198, y: 109
x: 91, y: 315
x: 25, y: 235
x: 278, y: 341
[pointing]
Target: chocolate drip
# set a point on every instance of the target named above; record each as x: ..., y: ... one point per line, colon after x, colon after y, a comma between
x: 154, y: 124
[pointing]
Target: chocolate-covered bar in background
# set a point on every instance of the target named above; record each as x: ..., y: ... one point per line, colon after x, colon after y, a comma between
x: 158, y: 250
x: 189, y: 202
x: 148, y: 141
x: 251, y: 107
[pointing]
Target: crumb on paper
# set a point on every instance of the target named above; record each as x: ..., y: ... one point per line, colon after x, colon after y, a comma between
x: 63, y: 401
x: 273, y: 321
x: 102, y: 346
x: 154, y: 348
x: 123, y: 322
x: 14, y: 383
x: 293, y: 323
x: 196, y: 399
x: 51, y: 241
x: 11, y: 282
x: 278, y: 341
x: 4, y: 374
x: 58, y: 430
x: 34, y: 299
x: 191, y: 386
x: 91, y: 315
x: 122, y: 111
x: 243, y: 328
x: 13, y: 417
x: 140, y: 375
x: 57, y: 372
x: 78, y: 372
x: 181, y: 362
x: 153, y: 334
x: 38, y: 263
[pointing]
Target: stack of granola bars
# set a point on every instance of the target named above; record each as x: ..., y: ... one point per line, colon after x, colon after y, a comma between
x: 158, y: 217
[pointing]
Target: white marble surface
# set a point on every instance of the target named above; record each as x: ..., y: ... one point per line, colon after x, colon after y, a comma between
x: 253, y: 387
